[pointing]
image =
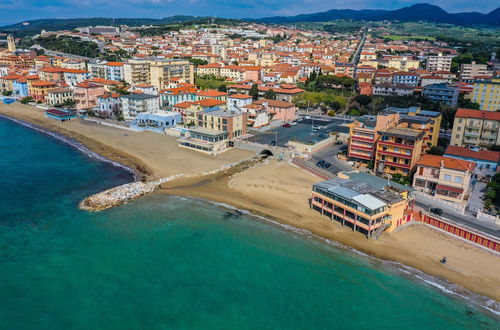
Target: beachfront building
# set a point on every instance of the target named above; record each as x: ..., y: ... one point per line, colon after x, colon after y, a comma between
x: 20, y: 88
x: 364, y: 134
x: 190, y: 110
x: 487, y: 94
x: 257, y: 115
x: 39, y: 90
x: 445, y: 178
x: 398, y: 150
x: 86, y: 94
x: 214, y: 130
x: 157, y: 121
x: 60, y: 114
x: 361, y: 206
x: 475, y: 128
x: 442, y: 93
x: 184, y: 93
x: 58, y: 96
x: 135, y: 103
x: 109, y: 105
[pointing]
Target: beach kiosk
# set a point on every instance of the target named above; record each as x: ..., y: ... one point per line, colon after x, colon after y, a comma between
x: 60, y: 114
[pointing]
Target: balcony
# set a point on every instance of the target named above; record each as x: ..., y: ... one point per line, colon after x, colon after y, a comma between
x: 360, y: 147
x: 395, y: 144
x: 407, y: 166
x: 394, y: 154
x: 362, y: 138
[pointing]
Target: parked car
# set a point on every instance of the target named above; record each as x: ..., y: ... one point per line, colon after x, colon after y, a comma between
x: 287, y: 125
x: 436, y: 210
x: 327, y: 165
x: 293, y: 123
x: 315, y: 128
x: 273, y: 143
x: 321, y: 163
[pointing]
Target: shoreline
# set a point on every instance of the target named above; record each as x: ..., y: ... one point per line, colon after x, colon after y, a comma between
x: 216, y: 188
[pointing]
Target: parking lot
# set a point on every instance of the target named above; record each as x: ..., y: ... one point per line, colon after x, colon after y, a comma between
x: 303, y: 131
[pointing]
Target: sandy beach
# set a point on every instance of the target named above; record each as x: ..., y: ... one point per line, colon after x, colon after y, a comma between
x: 278, y: 191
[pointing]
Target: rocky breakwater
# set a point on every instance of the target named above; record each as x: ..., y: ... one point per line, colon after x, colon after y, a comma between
x: 117, y: 196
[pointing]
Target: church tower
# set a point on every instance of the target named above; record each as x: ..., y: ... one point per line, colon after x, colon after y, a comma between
x: 11, y: 44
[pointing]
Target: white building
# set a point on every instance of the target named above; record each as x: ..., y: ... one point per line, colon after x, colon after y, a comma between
x: 107, y: 70
x: 469, y: 71
x: 236, y: 101
x: 136, y: 103
x: 109, y: 105
x: 439, y: 62
x: 257, y: 115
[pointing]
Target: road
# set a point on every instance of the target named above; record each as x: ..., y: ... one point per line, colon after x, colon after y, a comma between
x: 329, y: 154
x: 454, y: 216
x: 355, y: 56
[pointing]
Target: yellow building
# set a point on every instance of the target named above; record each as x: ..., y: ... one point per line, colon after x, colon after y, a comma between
x: 362, y: 202
x: 398, y: 150
x: 487, y: 94
x: 157, y: 71
x: 476, y: 128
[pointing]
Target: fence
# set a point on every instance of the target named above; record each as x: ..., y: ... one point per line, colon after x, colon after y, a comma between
x: 311, y: 168
x: 484, y: 240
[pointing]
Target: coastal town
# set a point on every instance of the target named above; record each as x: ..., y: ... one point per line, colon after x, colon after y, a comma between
x: 373, y: 134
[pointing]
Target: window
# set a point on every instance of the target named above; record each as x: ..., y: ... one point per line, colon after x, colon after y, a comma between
x: 420, y: 171
x: 458, y: 179
x: 447, y: 177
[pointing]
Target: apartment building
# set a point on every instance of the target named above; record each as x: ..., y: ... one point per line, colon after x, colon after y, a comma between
x: 387, y: 89
x: 406, y: 78
x: 58, y: 96
x: 476, y: 128
x: 487, y: 94
x: 470, y: 71
x: 439, y: 62
x: 86, y: 95
x: 107, y: 70
x: 426, y: 121
x: 361, y: 206
x: 445, y: 178
x: 136, y: 103
x: 442, y: 93
x: 39, y: 90
x: 213, y: 130
x: 398, y: 150
x: 157, y: 71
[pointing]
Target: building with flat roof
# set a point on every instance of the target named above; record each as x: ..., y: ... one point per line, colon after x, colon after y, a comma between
x: 136, y: 103
x: 487, y: 94
x: 363, y: 207
x: 442, y: 93
x: 398, y: 150
x: 475, y: 128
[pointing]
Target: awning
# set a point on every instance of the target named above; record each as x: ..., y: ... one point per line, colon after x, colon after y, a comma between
x: 448, y: 188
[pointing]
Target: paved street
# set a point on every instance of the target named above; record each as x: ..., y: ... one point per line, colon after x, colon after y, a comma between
x: 449, y: 214
x: 329, y: 154
x: 302, y: 131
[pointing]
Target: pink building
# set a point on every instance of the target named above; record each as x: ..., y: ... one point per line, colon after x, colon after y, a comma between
x: 86, y: 95
x: 279, y: 110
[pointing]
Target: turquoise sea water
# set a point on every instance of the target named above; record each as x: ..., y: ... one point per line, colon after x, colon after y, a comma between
x: 169, y: 262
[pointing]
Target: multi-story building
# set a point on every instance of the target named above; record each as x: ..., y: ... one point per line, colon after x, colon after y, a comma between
x: 39, y: 90
x: 364, y: 134
x: 442, y: 93
x: 386, y: 89
x: 107, y: 70
x: 406, y: 78
x: 487, y: 161
x: 469, y: 71
x: 487, y: 94
x: 426, y: 121
x: 86, y: 94
x: 213, y: 130
x: 136, y: 103
x: 157, y: 71
x: 476, y: 128
x: 445, y: 178
x: 109, y: 105
x: 73, y: 77
x: 439, y: 62
x: 237, y: 101
x: 58, y: 96
x: 398, y: 150
x: 364, y: 207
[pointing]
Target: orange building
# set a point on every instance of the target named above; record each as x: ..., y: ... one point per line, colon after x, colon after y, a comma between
x: 398, y: 150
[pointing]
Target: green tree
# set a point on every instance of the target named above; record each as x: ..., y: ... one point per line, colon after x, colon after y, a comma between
x: 26, y: 100
x: 222, y: 88
x: 270, y: 94
x: 7, y: 93
x: 254, y: 92
x: 436, y: 150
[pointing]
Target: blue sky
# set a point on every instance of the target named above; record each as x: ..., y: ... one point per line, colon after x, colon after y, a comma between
x: 13, y: 11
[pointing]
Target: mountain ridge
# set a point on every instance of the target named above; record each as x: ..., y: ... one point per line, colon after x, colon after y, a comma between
x: 417, y: 12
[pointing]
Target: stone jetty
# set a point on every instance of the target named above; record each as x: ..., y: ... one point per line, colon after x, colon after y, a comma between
x: 117, y: 196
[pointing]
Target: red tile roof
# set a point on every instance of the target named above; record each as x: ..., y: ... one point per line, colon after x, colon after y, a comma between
x: 470, y: 113
x: 447, y: 162
x: 492, y: 156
